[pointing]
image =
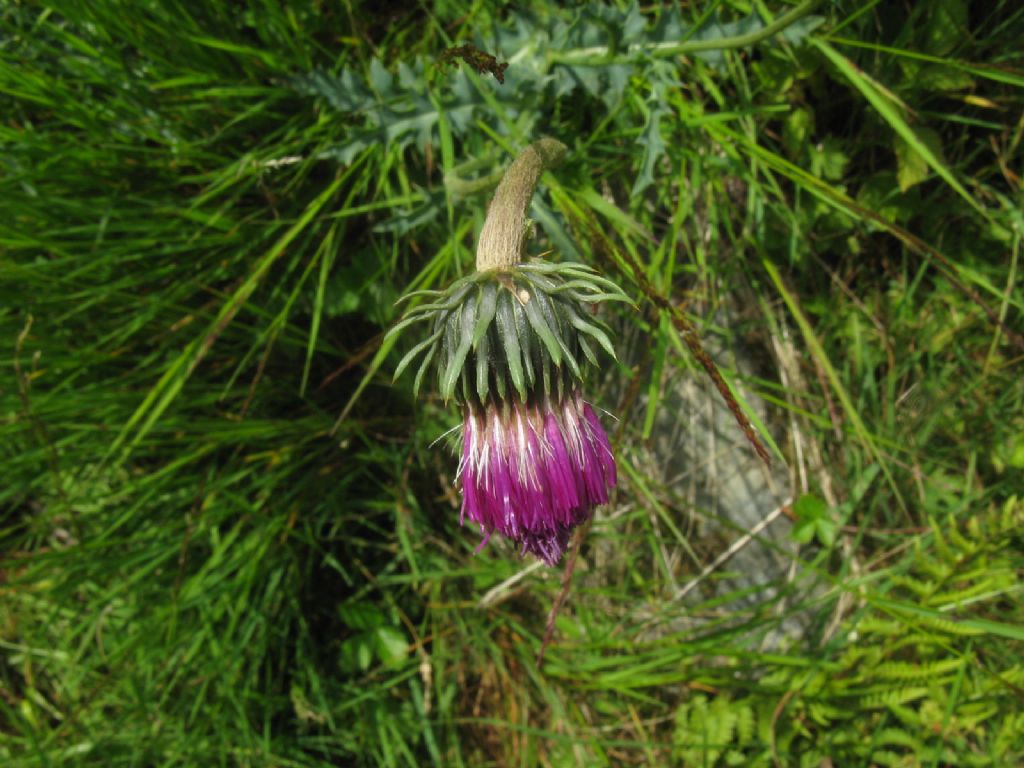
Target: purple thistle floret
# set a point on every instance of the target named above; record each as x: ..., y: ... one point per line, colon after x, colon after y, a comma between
x: 534, y: 472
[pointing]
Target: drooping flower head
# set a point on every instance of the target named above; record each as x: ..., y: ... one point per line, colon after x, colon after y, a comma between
x: 511, y: 344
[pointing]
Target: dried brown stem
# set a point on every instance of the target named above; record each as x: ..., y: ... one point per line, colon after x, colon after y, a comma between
x: 693, y: 344
x: 570, y: 567
x: 692, y: 341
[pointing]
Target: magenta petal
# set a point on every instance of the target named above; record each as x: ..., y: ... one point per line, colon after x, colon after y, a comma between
x: 548, y: 547
x: 534, y: 472
x: 604, y: 448
x: 562, y: 486
x: 470, y: 503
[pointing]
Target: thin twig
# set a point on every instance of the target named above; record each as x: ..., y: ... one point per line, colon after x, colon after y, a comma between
x: 499, y: 592
x: 693, y: 344
x: 735, y: 547
x: 549, y: 629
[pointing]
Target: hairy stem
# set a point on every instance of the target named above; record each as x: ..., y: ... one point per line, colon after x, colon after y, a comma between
x: 502, y: 241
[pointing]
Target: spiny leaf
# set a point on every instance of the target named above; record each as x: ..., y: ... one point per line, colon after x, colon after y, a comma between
x: 412, y: 353
x: 526, y: 343
x: 597, y: 298
x: 609, y: 285
x: 587, y: 351
x: 424, y: 366
x: 540, y: 326
x: 483, y: 367
x: 414, y: 294
x: 403, y: 324
x: 500, y: 377
x: 593, y: 330
x: 554, y: 322
x: 510, y: 341
x: 485, y: 315
x: 465, y: 340
x: 651, y: 139
x: 449, y: 344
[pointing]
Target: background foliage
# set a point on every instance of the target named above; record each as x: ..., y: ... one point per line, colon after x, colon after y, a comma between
x: 229, y: 539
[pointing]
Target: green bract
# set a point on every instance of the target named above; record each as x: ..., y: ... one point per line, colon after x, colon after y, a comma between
x: 527, y: 331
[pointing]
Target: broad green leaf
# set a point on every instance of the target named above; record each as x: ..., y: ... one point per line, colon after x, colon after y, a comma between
x: 361, y: 615
x: 912, y: 168
x: 828, y: 159
x: 797, y: 130
x: 356, y: 652
x: 891, y: 114
x: 813, y: 519
x: 391, y: 646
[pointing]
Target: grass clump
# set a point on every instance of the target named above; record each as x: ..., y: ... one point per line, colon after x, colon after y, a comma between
x: 229, y: 539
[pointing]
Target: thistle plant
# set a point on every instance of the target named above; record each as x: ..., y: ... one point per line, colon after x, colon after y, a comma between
x: 511, y: 344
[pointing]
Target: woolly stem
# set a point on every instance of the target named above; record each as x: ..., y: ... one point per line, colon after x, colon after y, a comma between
x: 502, y: 242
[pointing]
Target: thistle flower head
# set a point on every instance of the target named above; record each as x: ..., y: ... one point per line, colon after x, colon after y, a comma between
x: 511, y: 344
x: 534, y: 472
